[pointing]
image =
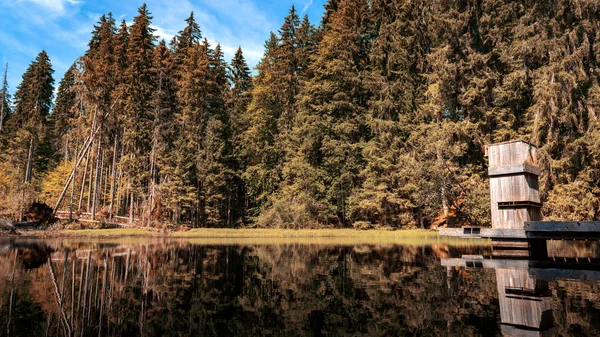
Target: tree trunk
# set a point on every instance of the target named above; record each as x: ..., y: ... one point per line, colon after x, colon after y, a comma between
x: 97, y: 179
x: 113, y: 180
x: 131, y: 209
x: 4, y: 92
x: 71, y: 177
x: 28, y: 168
x: 87, y: 162
x: 443, y: 186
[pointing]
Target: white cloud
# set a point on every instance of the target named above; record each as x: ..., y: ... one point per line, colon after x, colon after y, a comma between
x: 57, y: 7
x: 220, y: 22
x: 305, y: 8
x: 163, y: 33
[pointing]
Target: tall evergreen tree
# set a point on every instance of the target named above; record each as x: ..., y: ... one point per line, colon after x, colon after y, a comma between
x: 27, y: 147
x: 137, y: 114
x: 4, y: 100
x: 322, y: 170
x: 260, y: 151
x: 64, y: 114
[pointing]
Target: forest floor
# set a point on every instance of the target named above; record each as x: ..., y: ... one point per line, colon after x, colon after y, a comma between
x: 264, y: 236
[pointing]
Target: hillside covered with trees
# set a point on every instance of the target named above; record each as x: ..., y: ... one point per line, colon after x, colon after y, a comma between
x: 377, y: 116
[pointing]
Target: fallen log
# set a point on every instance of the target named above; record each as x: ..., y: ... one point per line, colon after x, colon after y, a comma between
x: 7, y: 225
x: 26, y: 224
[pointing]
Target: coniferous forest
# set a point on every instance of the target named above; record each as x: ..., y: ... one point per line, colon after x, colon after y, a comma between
x: 375, y: 116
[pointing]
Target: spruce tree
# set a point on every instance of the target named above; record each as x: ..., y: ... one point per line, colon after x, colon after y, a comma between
x: 324, y: 163
x: 137, y: 114
x: 27, y: 151
x: 163, y: 103
x: 4, y: 100
x: 260, y: 151
x: 63, y: 116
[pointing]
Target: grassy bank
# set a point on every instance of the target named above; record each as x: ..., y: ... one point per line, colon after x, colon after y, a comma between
x: 279, y: 236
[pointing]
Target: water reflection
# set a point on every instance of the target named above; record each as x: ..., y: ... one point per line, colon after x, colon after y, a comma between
x: 525, y: 293
x: 174, y: 288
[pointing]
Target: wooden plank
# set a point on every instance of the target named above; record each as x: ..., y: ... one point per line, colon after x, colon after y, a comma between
x: 524, y: 253
x: 554, y: 274
x: 485, y: 233
x: 514, y: 169
x: 511, y: 153
x: 519, y: 204
x: 511, y: 244
x: 562, y: 226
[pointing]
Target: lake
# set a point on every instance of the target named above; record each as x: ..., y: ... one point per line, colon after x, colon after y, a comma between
x: 167, y: 287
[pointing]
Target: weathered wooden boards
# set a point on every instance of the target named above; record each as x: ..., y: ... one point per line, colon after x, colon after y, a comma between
x: 558, y: 232
x: 562, y: 226
x: 514, y: 186
x: 484, y: 233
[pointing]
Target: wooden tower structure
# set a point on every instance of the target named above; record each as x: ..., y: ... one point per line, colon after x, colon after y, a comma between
x: 514, y: 186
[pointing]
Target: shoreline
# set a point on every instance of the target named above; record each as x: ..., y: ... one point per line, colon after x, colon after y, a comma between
x: 258, y: 236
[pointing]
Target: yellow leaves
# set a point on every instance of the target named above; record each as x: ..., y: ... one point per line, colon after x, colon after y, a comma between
x: 572, y: 202
x: 54, y: 181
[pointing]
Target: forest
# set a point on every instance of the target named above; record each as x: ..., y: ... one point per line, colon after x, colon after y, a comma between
x: 377, y: 116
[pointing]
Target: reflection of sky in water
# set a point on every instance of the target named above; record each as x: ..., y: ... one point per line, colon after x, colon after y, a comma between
x: 161, y: 287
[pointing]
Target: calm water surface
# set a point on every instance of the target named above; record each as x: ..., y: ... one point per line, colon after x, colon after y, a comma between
x: 176, y: 288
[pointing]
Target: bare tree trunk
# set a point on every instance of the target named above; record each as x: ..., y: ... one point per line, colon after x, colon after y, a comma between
x: 443, y: 187
x: 71, y: 199
x: 71, y: 177
x: 87, y: 162
x: 28, y: 168
x: 67, y: 148
x: 92, y: 180
x: 114, y: 180
x: 132, y: 204
x: 97, y: 179
x: 120, y: 192
x: 4, y: 93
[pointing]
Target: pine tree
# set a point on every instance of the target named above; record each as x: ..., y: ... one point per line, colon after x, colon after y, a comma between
x: 261, y: 154
x: 163, y: 103
x: 137, y: 114
x: 287, y: 68
x: 191, y: 119
x: 322, y: 170
x: 188, y: 37
x: 63, y: 116
x: 4, y: 100
x: 27, y: 150
x: 240, y: 75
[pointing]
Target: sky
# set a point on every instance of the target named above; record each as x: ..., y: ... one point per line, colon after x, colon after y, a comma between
x: 63, y: 27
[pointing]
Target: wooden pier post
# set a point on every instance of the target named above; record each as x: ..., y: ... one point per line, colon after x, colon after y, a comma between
x: 514, y: 192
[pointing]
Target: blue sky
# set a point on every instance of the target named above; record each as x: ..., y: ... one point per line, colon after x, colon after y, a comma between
x: 63, y: 27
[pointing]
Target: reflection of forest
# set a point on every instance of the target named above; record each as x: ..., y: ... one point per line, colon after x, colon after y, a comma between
x: 173, y: 288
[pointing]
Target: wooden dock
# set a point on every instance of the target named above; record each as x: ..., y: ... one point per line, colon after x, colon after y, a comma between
x: 545, y: 230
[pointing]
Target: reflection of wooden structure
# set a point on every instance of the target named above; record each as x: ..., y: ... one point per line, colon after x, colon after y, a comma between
x: 523, y: 292
x: 515, y: 206
x: 525, y: 308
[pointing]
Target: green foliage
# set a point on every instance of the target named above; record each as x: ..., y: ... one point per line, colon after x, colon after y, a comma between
x: 377, y: 118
